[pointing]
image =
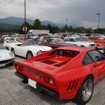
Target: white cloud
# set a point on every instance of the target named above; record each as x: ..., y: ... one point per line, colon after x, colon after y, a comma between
x: 81, y: 12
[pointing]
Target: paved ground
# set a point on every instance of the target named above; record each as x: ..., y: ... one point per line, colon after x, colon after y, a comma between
x: 14, y: 92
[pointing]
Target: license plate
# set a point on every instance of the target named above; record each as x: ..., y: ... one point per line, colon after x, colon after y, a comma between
x: 32, y: 83
x: 2, y: 65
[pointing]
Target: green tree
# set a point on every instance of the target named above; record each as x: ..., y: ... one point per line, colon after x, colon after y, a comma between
x: 66, y: 29
x: 99, y: 30
x: 70, y: 29
x: 37, y: 24
x: 89, y: 30
x: 80, y: 29
x: 53, y: 29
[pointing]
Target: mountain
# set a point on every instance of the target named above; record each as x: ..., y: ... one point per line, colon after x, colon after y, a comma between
x: 14, y: 21
x: 19, y: 21
x: 46, y: 22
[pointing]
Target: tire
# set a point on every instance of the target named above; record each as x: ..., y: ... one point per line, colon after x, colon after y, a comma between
x: 13, y: 51
x: 6, y: 48
x: 39, y: 52
x: 85, y: 92
x: 29, y: 55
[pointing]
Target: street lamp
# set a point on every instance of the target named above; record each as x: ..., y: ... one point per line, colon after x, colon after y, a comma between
x: 98, y: 14
x: 66, y: 25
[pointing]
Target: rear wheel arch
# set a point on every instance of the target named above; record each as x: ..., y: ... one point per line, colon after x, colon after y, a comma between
x: 91, y: 75
x: 80, y: 97
x: 13, y: 51
x: 6, y: 48
x: 29, y: 54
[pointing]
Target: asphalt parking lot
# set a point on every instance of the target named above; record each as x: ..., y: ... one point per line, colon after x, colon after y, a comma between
x: 14, y: 92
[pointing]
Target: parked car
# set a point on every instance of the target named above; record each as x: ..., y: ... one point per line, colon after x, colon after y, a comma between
x: 27, y: 49
x: 10, y: 44
x: 79, y: 42
x: 99, y: 42
x: 55, y: 43
x: 6, y: 57
x: 51, y: 42
x: 61, y: 76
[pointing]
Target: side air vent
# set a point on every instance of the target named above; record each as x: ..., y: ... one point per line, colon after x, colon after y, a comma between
x: 72, y: 85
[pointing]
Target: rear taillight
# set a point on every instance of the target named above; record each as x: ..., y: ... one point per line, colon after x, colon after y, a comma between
x: 18, y: 67
x: 49, y: 80
x: 52, y: 82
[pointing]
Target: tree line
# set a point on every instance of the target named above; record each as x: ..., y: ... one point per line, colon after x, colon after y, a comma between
x: 53, y: 29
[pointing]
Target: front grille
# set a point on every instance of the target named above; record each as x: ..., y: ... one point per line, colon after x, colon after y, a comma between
x: 5, y: 61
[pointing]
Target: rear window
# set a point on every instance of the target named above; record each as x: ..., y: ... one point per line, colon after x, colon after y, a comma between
x: 68, y: 53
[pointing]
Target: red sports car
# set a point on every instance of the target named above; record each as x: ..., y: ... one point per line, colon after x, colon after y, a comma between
x: 65, y: 73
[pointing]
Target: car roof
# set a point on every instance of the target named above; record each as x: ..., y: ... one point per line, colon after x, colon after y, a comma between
x: 76, y: 48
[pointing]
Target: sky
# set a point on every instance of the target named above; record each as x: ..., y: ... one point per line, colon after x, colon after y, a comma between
x: 71, y: 12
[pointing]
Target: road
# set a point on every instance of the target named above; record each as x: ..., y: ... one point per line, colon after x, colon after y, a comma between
x: 14, y: 92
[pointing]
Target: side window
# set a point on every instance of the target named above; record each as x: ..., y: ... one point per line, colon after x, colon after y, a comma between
x: 66, y: 39
x: 96, y: 56
x: 71, y: 40
x: 87, y: 59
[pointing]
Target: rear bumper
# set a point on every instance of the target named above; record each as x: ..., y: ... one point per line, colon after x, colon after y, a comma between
x: 19, y: 75
x: 24, y: 78
x: 39, y: 87
x: 47, y: 91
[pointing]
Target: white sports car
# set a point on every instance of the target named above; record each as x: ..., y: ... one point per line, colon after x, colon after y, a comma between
x: 9, y: 44
x: 6, y: 57
x: 28, y: 49
x: 79, y: 42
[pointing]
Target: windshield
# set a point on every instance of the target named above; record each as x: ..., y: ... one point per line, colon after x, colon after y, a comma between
x: 29, y: 42
x: 52, y: 41
x: 78, y: 39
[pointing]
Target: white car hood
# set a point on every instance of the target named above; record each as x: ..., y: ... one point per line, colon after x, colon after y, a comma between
x: 38, y: 47
x: 12, y: 44
x: 86, y: 42
x: 5, y: 55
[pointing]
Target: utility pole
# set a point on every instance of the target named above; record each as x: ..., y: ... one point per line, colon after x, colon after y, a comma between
x: 25, y: 28
x: 66, y: 25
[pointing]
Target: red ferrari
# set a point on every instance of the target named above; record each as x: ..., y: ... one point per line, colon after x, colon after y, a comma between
x: 65, y: 73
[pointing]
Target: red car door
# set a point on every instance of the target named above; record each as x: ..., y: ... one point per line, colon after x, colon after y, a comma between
x: 100, y: 69
x: 99, y: 63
